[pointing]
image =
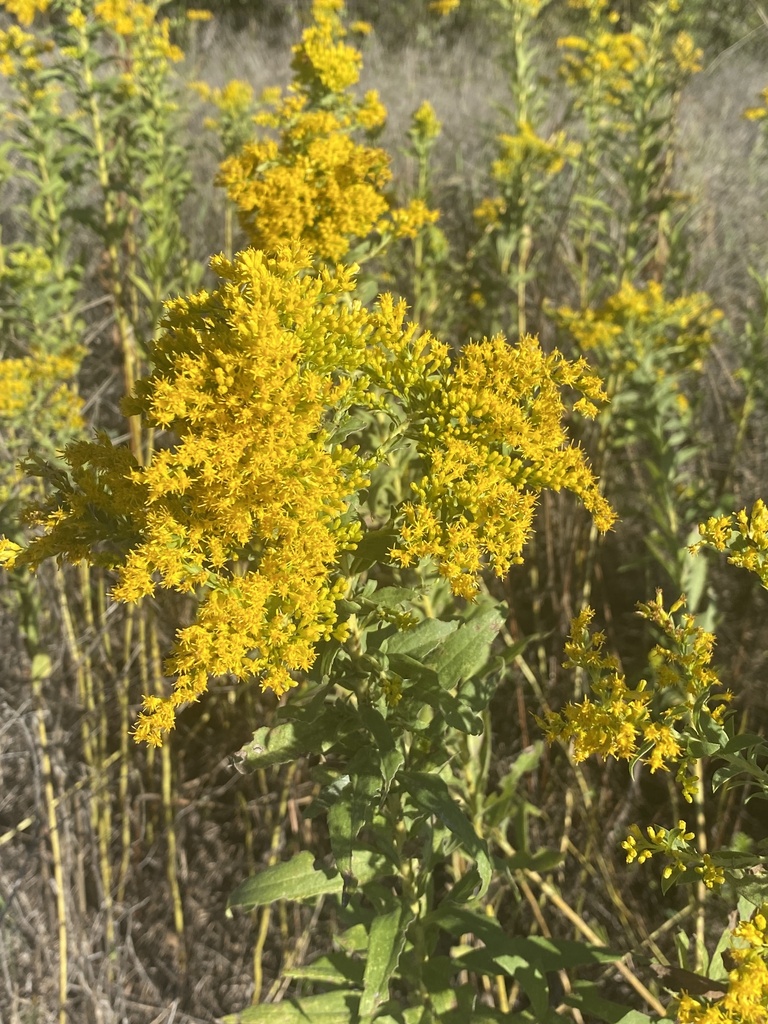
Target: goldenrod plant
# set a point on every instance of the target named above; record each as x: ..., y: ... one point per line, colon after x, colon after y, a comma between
x: 326, y: 702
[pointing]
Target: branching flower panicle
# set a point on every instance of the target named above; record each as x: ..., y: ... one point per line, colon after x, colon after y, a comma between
x: 249, y: 503
x: 314, y: 181
x: 617, y: 721
x: 746, y: 1000
x: 744, y: 535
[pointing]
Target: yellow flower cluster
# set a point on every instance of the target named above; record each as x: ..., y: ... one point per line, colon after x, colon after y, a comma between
x: 25, y: 10
x: 408, y: 221
x: 249, y: 501
x: 322, y: 61
x: 634, y: 323
x: 686, y: 54
x: 493, y: 439
x: 605, y: 60
x: 676, y: 846
x: 234, y: 103
x: 235, y: 98
x: 616, y: 721
x: 761, y: 112
x: 425, y: 123
x: 250, y: 505
x: 618, y: 67
x: 744, y: 535
x: 526, y: 160
x: 124, y: 16
x: 746, y: 1001
x: 444, y: 7
x: 38, y: 399
x: 527, y: 148
x: 19, y: 49
x: 314, y: 182
x: 130, y: 18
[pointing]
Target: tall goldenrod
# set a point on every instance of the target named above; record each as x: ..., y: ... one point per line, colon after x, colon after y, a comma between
x: 250, y: 501
x: 313, y: 180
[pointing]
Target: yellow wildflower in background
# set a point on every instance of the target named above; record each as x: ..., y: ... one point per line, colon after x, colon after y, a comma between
x: 425, y: 122
x: 634, y: 323
x: 444, y: 7
x: 25, y: 10
x: 761, y: 112
x: 313, y: 181
x: 744, y: 535
x: 410, y: 219
x: 124, y: 16
x: 19, y: 49
x: 316, y: 185
x: 620, y: 722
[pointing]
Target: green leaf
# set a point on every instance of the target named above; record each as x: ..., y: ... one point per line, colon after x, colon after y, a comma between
x: 386, y: 942
x: 421, y: 640
x: 390, y: 756
x: 373, y: 548
x: 338, y: 1007
x: 528, y: 975
x: 354, y: 806
x: 546, y: 954
x: 586, y: 996
x: 466, y: 652
x: 280, y: 744
x: 296, y: 879
x: 431, y: 794
x: 413, y: 671
x: 334, y: 969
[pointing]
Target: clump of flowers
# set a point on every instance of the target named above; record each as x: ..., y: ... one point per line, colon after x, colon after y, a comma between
x: 606, y: 64
x: 633, y: 723
x: 525, y: 162
x: 493, y: 438
x: 746, y: 1001
x: 744, y: 535
x: 313, y: 181
x: 235, y: 104
x: 639, y: 326
x: 25, y: 10
x: 250, y: 501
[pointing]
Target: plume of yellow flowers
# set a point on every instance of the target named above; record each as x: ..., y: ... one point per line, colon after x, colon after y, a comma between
x: 635, y: 323
x: 525, y: 162
x: 313, y: 181
x: 744, y: 535
x: 618, y: 721
x: 605, y: 63
x: 250, y: 501
x: 25, y: 10
x: 746, y: 1001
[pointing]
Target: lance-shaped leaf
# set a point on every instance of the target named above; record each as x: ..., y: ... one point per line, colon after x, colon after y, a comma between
x: 385, y: 944
x: 296, y: 879
x: 431, y: 794
x: 338, y: 1007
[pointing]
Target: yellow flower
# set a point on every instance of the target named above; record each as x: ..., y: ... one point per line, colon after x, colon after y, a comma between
x: 444, y: 7
x: 408, y: 221
x: 198, y: 14
x: 425, y: 122
x: 25, y: 10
